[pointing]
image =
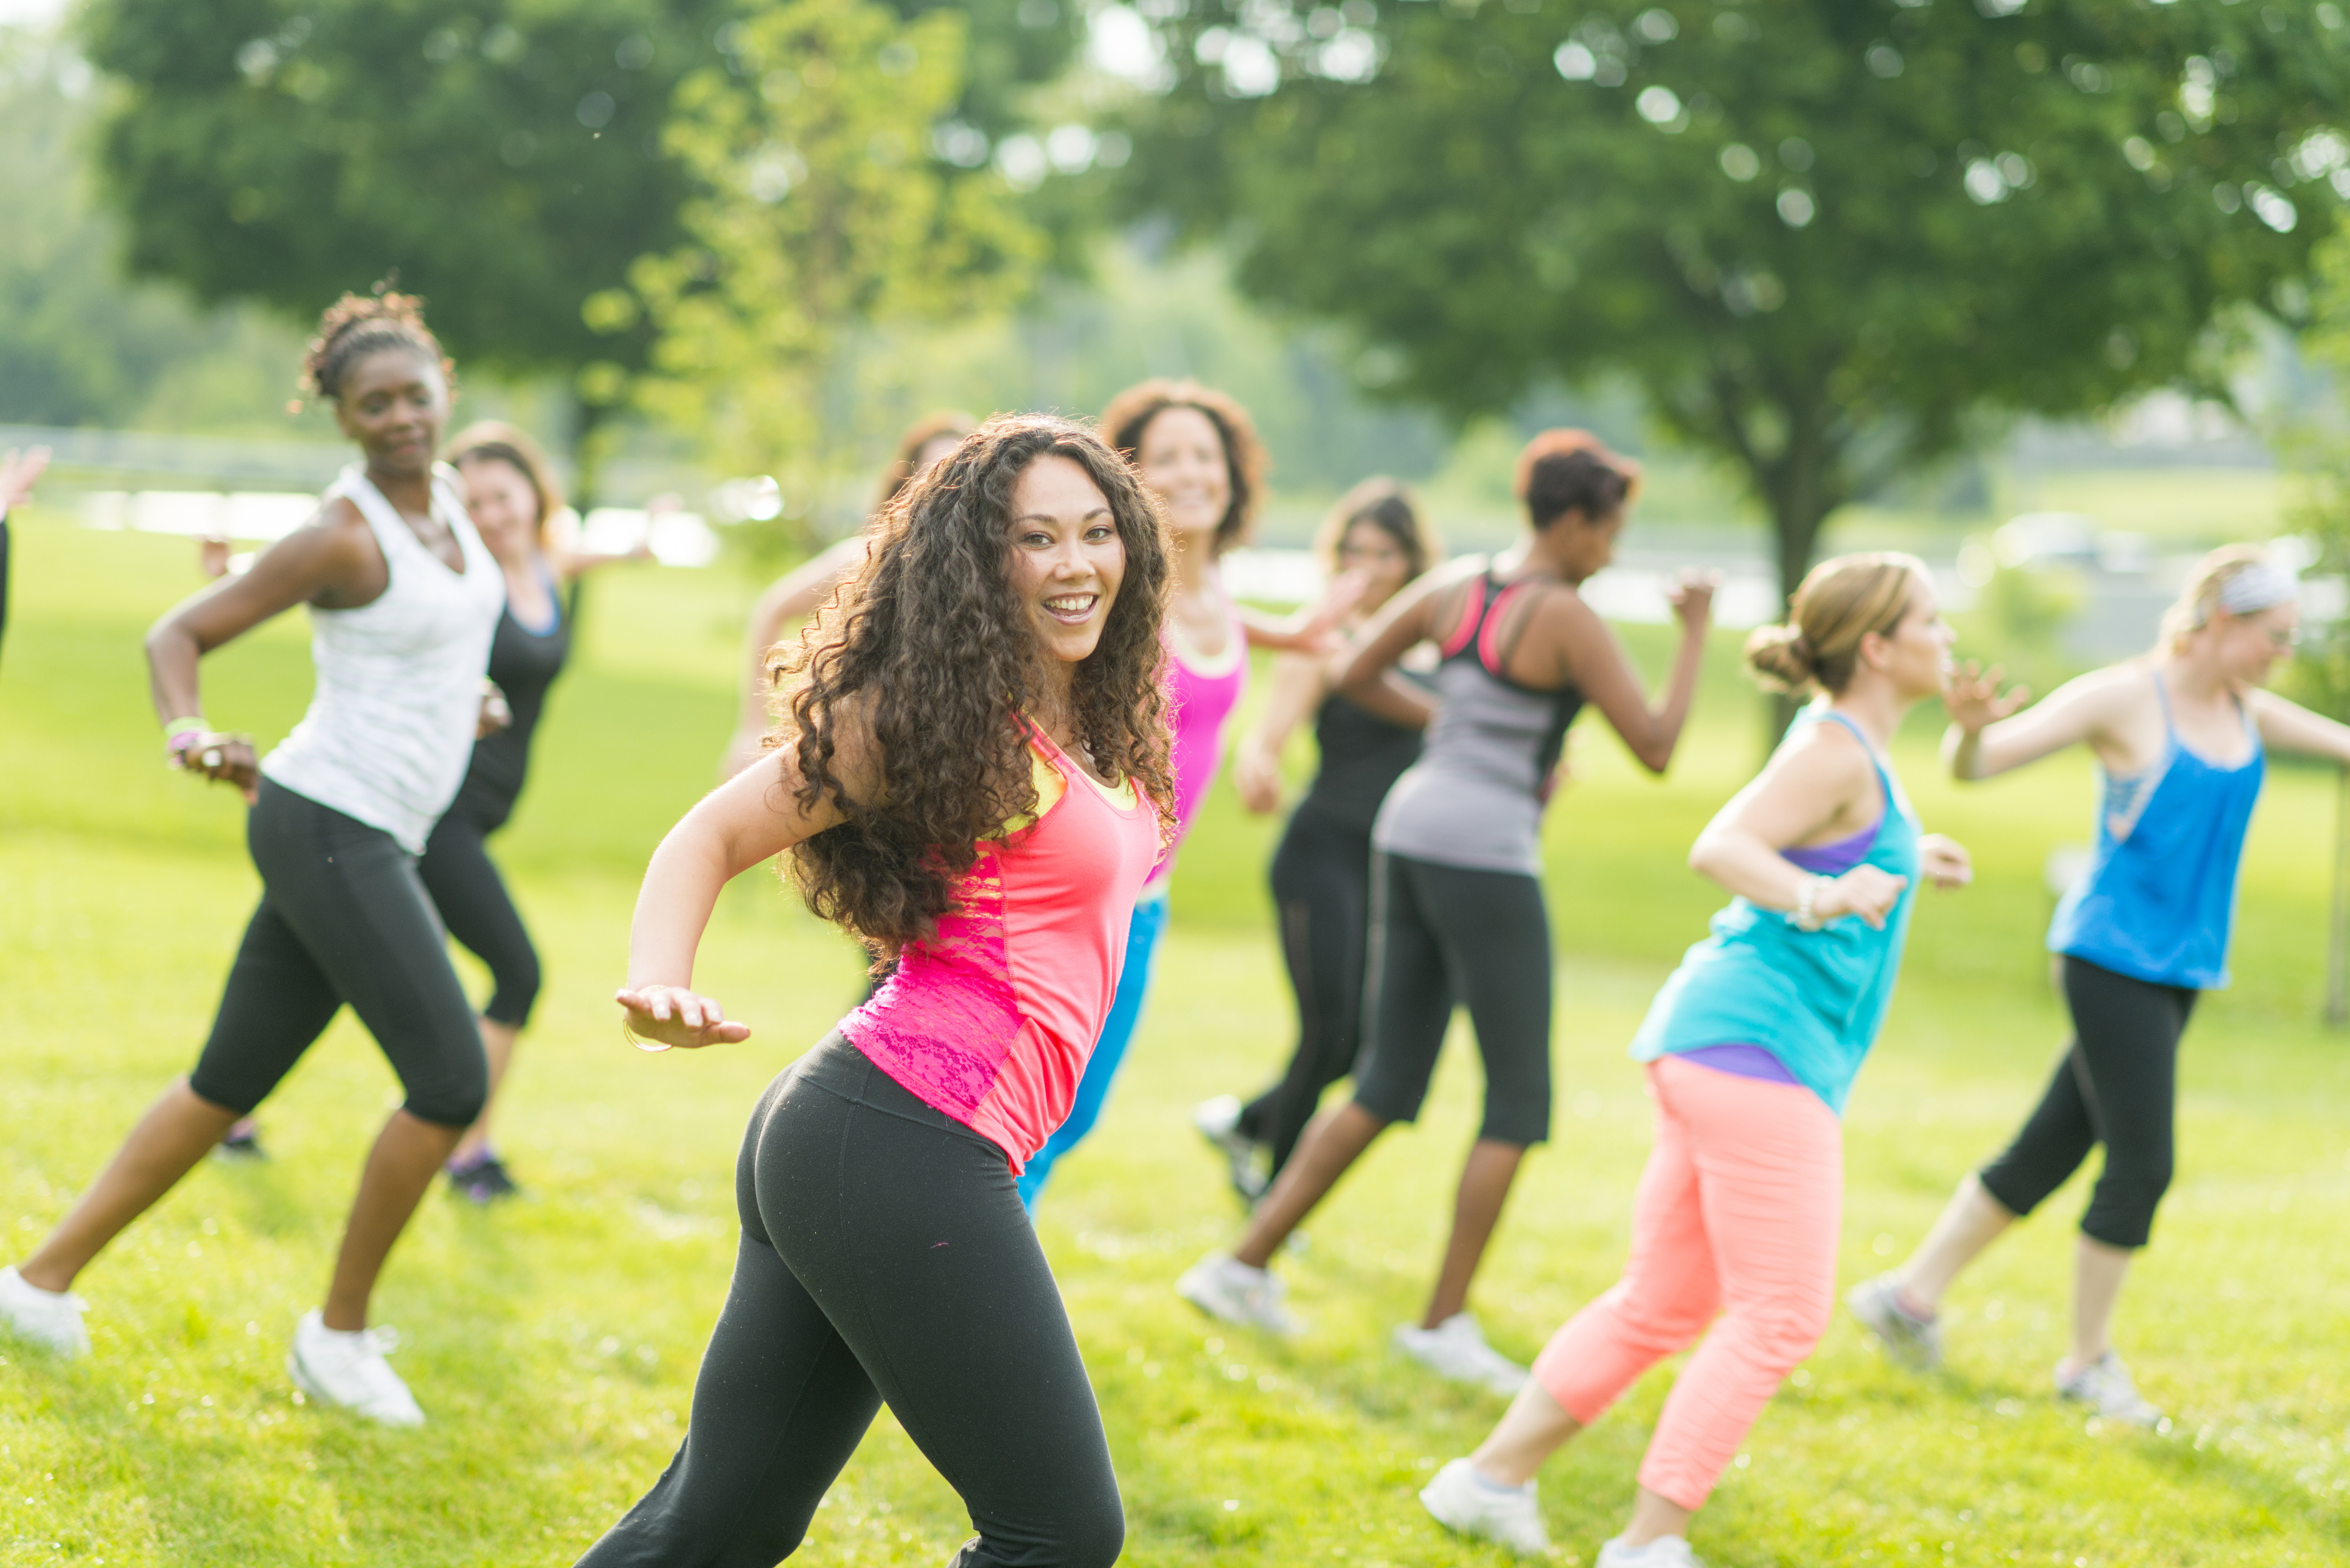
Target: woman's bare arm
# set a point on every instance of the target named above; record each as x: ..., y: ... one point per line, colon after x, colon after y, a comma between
x: 789, y: 600
x: 2287, y: 726
x: 1595, y: 662
x: 1988, y: 735
x: 1298, y: 683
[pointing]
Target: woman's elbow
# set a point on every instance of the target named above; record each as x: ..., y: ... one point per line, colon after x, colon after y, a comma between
x: 1701, y: 855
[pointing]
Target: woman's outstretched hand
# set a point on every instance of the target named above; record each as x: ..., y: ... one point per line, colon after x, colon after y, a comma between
x: 1944, y: 861
x: 1864, y: 891
x: 1690, y: 595
x: 672, y: 1015
x: 1974, y: 700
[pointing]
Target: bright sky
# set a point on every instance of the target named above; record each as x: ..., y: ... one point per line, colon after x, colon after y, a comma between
x: 25, y: 12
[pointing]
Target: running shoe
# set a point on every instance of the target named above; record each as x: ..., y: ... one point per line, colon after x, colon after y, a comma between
x: 1456, y: 1349
x: 50, y: 1319
x: 1219, y: 1121
x: 485, y: 1180
x: 1224, y: 1287
x: 2106, y: 1385
x: 1664, y: 1552
x: 349, y: 1370
x: 1461, y: 1500
x: 243, y: 1142
x: 1915, y: 1342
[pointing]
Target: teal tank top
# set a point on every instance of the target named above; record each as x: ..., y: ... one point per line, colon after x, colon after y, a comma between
x: 1813, y: 1000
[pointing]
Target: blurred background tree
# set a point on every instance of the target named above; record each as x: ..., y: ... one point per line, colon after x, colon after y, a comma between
x: 1828, y: 241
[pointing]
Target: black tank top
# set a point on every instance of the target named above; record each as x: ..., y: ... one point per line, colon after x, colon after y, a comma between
x: 1362, y: 756
x: 524, y: 663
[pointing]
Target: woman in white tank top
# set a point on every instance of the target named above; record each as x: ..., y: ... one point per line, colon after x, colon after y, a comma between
x: 403, y: 601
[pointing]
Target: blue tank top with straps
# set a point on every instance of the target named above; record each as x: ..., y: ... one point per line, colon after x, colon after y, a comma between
x: 2158, y: 901
x: 1813, y: 1000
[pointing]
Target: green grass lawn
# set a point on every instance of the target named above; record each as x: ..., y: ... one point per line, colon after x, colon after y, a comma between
x: 553, y: 1341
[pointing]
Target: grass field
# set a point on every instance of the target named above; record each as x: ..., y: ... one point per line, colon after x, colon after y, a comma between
x: 554, y: 1341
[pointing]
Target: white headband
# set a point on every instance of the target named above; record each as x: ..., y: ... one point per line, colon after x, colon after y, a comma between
x: 2261, y: 585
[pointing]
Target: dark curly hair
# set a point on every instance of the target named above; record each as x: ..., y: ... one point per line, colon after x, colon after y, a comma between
x: 1130, y: 413
x: 358, y: 324
x: 929, y: 647
x: 1563, y: 470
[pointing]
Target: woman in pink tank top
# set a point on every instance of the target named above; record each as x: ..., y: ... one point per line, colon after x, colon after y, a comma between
x: 969, y: 773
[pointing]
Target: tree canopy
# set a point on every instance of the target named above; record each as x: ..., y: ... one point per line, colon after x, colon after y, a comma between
x: 1822, y: 235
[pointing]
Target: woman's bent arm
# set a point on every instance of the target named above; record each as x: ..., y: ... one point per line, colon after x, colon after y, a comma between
x: 2287, y: 726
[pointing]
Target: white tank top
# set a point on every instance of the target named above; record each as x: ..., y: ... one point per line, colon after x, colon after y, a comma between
x: 399, y: 694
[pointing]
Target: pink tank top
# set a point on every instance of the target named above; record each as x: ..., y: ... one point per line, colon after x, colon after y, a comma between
x: 1202, y: 707
x: 992, y: 1021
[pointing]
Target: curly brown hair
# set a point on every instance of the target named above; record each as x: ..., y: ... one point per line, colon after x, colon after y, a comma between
x: 930, y: 650
x: 1130, y: 413
x: 358, y: 324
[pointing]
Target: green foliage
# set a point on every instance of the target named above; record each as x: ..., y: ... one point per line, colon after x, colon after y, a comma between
x: 1824, y: 239
x: 821, y: 215
x: 2316, y: 441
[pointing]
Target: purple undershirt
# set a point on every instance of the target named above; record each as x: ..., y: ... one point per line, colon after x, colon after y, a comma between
x: 1743, y: 1059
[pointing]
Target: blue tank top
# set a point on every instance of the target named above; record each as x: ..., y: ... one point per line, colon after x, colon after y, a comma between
x: 2159, y: 898
x: 1814, y: 1000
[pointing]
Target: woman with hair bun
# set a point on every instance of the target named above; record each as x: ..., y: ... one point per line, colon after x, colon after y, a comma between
x: 1321, y: 872
x: 971, y: 775
x: 1457, y: 912
x: 403, y: 599
x: 2179, y: 735
x: 1751, y: 1046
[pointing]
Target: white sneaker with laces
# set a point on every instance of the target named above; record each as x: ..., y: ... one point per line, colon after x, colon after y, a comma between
x: 50, y: 1319
x: 1461, y: 1500
x: 1224, y: 1287
x: 2106, y: 1384
x: 348, y: 1369
x: 1913, y: 1341
x: 1456, y: 1349
x: 1664, y: 1552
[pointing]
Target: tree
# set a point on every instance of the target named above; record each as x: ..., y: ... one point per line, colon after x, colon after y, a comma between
x: 1824, y: 237
x: 824, y: 214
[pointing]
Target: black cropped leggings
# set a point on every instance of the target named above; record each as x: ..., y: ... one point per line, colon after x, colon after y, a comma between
x: 885, y: 1255
x: 1445, y: 932
x: 343, y: 919
x: 480, y: 914
x: 2116, y: 1084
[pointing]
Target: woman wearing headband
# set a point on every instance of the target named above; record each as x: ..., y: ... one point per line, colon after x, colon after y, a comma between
x: 2179, y: 735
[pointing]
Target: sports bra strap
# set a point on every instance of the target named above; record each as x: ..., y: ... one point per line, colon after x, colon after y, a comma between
x: 1884, y: 774
x: 1473, y: 616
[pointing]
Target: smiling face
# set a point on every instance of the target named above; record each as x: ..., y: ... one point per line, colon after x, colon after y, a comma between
x: 1067, y: 558
x: 1182, y: 459
x: 1367, y: 548
x: 502, y: 505
x: 394, y: 404
x: 1915, y: 656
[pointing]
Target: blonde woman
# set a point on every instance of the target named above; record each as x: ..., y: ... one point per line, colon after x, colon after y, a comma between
x: 1752, y: 1047
x: 2179, y: 735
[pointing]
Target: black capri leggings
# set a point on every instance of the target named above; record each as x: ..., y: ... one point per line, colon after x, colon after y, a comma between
x: 2116, y: 1084
x: 343, y: 919
x: 885, y: 1255
x: 1438, y: 932
x: 1321, y: 890
x: 480, y: 913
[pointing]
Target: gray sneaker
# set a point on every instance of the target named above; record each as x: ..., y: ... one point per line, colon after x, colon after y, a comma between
x: 1224, y: 1287
x: 1913, y: 1341
x: 2106, y: 1385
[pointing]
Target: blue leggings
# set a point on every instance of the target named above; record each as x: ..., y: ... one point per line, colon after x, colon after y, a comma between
x: 1142, y: 934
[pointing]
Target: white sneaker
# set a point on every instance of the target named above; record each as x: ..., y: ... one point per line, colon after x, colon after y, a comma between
x: 1460, y: 1499
x: 1913, y: 1341
x: 1219, y: 1121
x: 1456, y: 1348
x: 348, y: 1369
x: 50, y: 1319
x: 1664, y: 1552
x: 2107, y: 1385
x: 1222, y: 1286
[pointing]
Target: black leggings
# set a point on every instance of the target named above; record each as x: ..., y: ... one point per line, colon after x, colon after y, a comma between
x: 479, y: 912
x: 1321, y: 890
x: 2116, y: 1084
x: 1438, y: 932
x: 885, y: 1255
x: 343, y: 919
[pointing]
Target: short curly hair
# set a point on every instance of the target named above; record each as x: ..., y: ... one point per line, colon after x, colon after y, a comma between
x: 933, y: 651
x: 1130, y: 413
x: 358, y: 324
x: 1563, y: 471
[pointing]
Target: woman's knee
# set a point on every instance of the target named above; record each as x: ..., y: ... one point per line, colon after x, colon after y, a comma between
x: 453, y: 1096
x: 1094, y: 1535
x: 517, y: 981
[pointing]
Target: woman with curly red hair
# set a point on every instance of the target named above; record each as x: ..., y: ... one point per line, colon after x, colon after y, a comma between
x: 403, y: 600
x: 971, y: 776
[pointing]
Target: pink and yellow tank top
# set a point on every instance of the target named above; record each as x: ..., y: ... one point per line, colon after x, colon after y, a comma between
x: 991, y: 1021
x: 1202, y: 694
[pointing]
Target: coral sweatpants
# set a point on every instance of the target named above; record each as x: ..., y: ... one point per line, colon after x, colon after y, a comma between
x: 1736, y: 1215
